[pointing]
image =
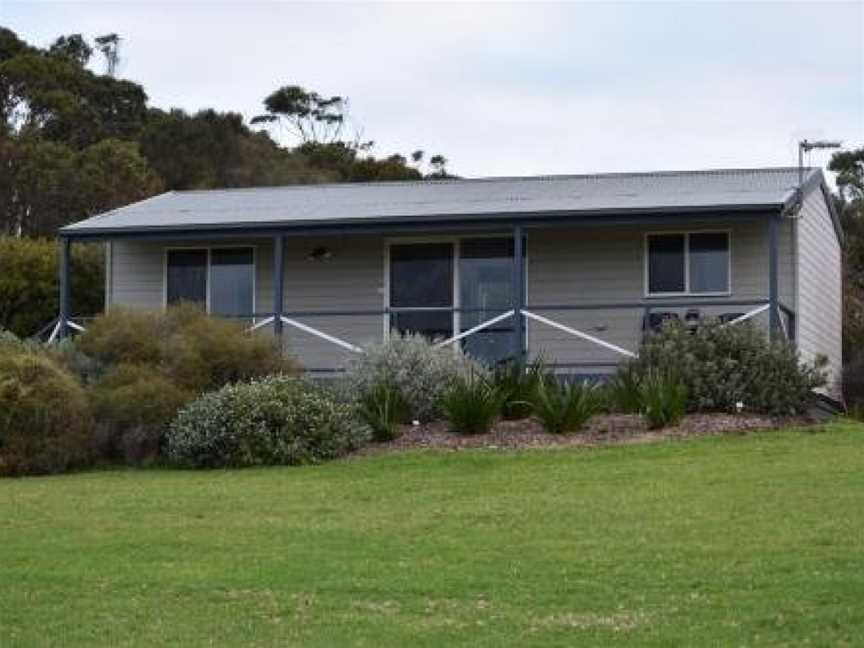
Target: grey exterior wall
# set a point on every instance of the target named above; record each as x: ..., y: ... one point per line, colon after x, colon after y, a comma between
x: 563, y: 266
x: 608, y: 266
x: 820, y: 288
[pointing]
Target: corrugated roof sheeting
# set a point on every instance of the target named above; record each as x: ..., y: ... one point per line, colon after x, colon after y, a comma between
x: 383, y: 201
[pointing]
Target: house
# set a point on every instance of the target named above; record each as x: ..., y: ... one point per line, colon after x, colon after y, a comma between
x: 573, y: 268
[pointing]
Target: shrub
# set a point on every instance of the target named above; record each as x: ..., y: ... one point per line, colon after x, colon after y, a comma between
x: 721, y: 366
x: 144, y: 366
x: 133, y: 405
x: 8, y: 338
x: 28, y: 282
x: 517, y: 384
x: 622, y: 390
x: 472, y: 404
x: 420, y: 372
x: 564, y: 407
x: 278, y: 420
x: 663, y: 398
x: 383, y: 408
x: 44, y: 418
x: 184, y: 344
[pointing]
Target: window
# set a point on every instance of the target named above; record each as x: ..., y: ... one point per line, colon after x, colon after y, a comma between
x: 428, y: 280
x: 221, y: 280
x: 186, y: 277
x: 688, y: 263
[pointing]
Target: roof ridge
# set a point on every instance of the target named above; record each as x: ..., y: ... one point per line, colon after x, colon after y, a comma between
x: 530, y: 178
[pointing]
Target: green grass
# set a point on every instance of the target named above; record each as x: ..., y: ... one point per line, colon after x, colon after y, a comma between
x: 720, y: 541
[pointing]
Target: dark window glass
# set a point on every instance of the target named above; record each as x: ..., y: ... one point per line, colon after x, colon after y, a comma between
x: 666, y: 263
x: 421, y: 275
x: 232, y: 275
x: 187, y: 276
x: 486, y: 283
x: 709, y: 262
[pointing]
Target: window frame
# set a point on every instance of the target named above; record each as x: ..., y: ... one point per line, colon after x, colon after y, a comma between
x: 687, y: 291
x: 455, y: 241
x: 208, y: 274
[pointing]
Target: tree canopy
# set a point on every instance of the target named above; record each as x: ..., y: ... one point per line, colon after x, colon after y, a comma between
x: 75, y: 142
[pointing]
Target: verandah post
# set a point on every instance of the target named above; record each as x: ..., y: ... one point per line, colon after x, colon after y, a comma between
x: 278, y: 283
x: 773, y: 265
x: 518, y: 297
x: 63, y: 270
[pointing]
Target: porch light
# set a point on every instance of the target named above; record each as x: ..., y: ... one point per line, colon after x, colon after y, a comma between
x: 320, y: 254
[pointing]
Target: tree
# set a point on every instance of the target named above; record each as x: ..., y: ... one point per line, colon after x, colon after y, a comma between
x: 73, y: 48
x: 308, y: 116
x: 849, y: 167
x: 109, y: 46
x: 49, y: 184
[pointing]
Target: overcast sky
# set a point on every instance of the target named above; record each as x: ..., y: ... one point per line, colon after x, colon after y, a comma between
x: 510, y: 89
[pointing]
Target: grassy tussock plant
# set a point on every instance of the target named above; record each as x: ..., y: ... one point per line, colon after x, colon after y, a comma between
x: 420, y: 371
x: 564, y: 407
x: 663, y: 398
x: 623, y: 390
x: 45, y: 423
x: 383, y: 408
x: 517, y: 384
x: 472, y: 404
x: 278, y: 420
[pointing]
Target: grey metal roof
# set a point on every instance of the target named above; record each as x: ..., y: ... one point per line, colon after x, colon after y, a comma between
x: 385, y: 202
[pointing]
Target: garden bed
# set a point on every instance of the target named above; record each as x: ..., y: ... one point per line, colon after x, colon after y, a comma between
x: 602, y: 429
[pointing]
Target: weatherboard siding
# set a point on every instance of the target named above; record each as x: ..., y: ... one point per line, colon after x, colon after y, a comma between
x: 572, y: 266
x: 820, y: 288
x: 564, y: 266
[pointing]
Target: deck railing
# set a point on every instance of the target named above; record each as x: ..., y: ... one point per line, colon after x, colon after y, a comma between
x: 653, y: 313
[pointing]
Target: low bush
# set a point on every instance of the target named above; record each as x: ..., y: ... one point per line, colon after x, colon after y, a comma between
x: 45, y: 422
x: 472, y: 404
x: 142, y: 367
x: 421, y: 372
x: 133, y: 405
x: 721, y: 366
x: 663, y: 398
x: 183, y: 344
x: 279, y: 420
x: 517, y: 384
x: 564, y: 407
x: 383, y: 408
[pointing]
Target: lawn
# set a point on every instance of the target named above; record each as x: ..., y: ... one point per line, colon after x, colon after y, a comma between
x: 740, y: 540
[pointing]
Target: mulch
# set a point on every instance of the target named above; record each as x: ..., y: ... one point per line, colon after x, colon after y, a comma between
x: 604, y: 429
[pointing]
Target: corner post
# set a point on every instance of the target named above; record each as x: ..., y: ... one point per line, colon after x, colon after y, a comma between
x: 63, y: 269
x: 773, y: 282
x: 518, y: 297
x: 278, y: 283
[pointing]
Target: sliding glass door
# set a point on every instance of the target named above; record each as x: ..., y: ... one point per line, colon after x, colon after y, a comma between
x: 485, y: 291
x: 421, y: 289
x: 427, y: 278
